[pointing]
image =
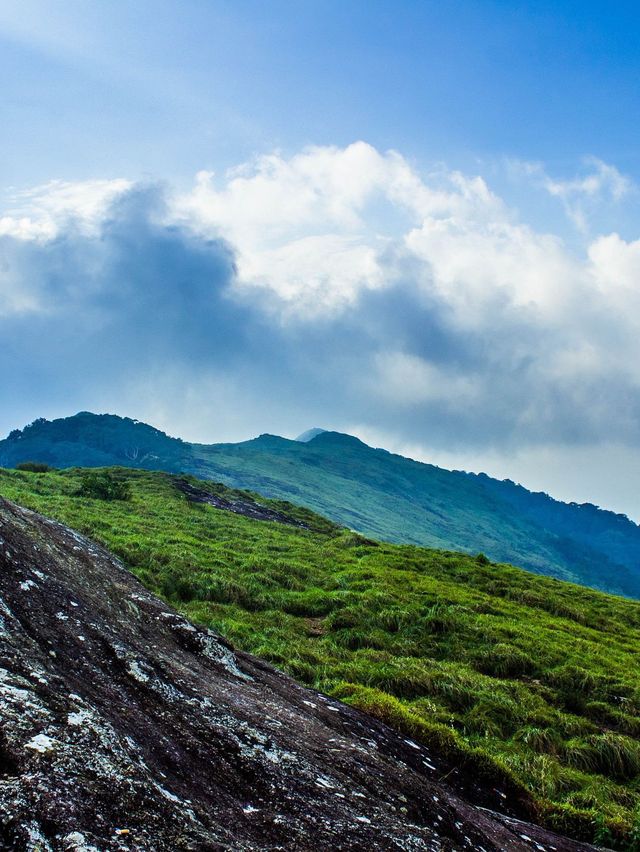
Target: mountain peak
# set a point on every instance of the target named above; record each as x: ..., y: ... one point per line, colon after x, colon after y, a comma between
x: 310, y: 434
x: 328, y: 437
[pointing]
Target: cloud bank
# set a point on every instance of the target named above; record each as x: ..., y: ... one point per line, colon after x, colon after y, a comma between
x: 340, y: 287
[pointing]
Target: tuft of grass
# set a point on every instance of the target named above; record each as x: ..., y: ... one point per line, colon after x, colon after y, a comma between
x: 505, y: 660
x: 608, y: 754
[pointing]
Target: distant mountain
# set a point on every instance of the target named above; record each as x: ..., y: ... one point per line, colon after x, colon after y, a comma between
x: 310, y: 434
x: 372, y: 491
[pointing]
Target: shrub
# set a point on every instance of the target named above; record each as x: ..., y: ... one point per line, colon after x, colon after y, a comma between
x: 392, y: 712
x: 34, y: 467
x: 355, y: 540
x: 178, y: 588
x: 354, y: 638
x: 611, y: 717
x: 104, y: 486
x: 346, y: 618
x: 437, y: 736
x: 577, y: 823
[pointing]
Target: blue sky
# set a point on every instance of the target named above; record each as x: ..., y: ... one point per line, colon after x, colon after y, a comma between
x: 166, y: 88
x: 413, y: 221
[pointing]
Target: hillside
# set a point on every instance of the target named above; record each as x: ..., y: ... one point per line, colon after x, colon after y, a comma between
x: 125, y: 727
x: 372, y: 491
x: 524, y: 683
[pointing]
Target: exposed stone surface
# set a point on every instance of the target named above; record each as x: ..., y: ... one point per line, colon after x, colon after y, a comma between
x: 240, y: 505
x: 122, y: 726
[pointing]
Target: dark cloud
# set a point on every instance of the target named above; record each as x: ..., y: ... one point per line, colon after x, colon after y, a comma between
x: 135, y: 295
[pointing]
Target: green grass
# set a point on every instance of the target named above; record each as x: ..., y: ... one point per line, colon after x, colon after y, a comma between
x: 530, y: 679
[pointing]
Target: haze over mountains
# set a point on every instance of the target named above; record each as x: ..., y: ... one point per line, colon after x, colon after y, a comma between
x: 370, y: 490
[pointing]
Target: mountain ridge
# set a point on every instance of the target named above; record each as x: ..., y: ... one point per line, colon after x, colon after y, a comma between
x: 375, y: 492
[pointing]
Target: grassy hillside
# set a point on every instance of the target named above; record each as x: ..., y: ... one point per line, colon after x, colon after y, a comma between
x: 527, y: 677
x: 375, y: 492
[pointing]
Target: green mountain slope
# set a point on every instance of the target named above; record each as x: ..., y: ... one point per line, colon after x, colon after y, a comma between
x: 530, y: 680
x: 372, y: 491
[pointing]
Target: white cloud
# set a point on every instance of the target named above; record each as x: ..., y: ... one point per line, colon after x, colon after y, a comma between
x: 304, y: 227
x: 317, y: 271
x: 315, y: 228
x: 318, y: 228
x: 324, y: 226
x: 483, y: 266
x: 616, y: 263
x: 408, y: 380
x: 603, y: 180
x: 582, y: 196
x: 27, y: 228
x: 43, y: 211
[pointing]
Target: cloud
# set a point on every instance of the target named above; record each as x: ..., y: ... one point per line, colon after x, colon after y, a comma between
x: 615, y: 263
x: 315, y: 229
x: 42, y: 211
x: 83, y: 312
x: 603, y: 180
x: 410, y: 381
x: 599, y: 185
x: 339, y: 286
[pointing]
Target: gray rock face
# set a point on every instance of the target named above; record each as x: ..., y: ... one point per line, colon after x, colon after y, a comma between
x: 122, y: 726
x: 239, y: 506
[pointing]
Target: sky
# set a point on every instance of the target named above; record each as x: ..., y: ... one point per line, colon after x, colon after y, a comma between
x: 416, y: 222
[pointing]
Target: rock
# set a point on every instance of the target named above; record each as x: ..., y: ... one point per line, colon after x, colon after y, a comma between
x: 240, y: 505
x: 122, y: 726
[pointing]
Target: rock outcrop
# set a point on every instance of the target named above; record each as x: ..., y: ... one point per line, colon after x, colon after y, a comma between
x: 239, y: 505
x: 122, y: 726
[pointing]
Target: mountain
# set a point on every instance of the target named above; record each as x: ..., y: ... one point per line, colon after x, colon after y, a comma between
x: 369, y: 490
x: 515, y: 682
x: 126, y: 727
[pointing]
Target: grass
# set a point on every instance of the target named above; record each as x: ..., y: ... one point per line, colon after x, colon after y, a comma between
x: 528, y: 678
